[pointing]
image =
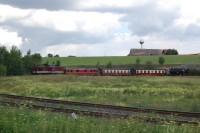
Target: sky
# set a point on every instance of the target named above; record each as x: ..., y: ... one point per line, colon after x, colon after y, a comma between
x: 99, y: 27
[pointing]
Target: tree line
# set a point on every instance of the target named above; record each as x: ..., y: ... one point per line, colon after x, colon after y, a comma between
x: 13, y: 63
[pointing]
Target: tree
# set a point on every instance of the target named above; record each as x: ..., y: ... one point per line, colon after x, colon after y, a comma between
x: 50, y: 55
x: 46, y: 63
x: 56, y: 55
x: 161, y: 60
x: 30, y: 61
x: 109, y: 65
x: 36, y: 59
x: 14, y: 62
x: 3, y: 55
x: 171, y: 52
x: 3, y: 70
x: 58, y: 63
x: 138, y: 61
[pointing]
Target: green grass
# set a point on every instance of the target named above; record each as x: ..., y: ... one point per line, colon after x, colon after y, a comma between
x: 22, y: 120
x: 121, y: 60
x: 176, y: 93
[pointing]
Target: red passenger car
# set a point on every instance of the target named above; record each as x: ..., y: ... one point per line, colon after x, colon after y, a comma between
x: 82, y: 71
x: 48, y: 70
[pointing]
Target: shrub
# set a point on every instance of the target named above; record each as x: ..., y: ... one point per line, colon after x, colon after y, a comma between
x: 138, y: 61
x: 3, y: 70
x: 171, y: 52
x: 57, y: 63
x: 161, y: 60
x: 109, y: 65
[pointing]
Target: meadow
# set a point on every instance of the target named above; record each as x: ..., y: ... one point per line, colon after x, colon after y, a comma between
x: 122, y: 60
x: 23, y: 120
x: 175, y: 93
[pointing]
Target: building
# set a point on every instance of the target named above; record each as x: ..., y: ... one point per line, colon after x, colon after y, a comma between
x: 137, y: 52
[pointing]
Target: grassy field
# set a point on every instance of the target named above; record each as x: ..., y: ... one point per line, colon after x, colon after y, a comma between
x: 121, y: 60
x: 177, y: 93
x: 22, y: 120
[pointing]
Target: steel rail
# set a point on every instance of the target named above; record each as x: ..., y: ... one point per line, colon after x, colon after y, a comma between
x: 98, y: 110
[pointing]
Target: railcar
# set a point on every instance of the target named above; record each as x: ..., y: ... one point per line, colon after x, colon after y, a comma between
x: 159, y: 72
x: 82, y: 71
x: 117, y: 72
x: 48, y: 70
x: 108, y: 72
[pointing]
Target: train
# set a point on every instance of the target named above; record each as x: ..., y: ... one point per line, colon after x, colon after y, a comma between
x: 108, y: 71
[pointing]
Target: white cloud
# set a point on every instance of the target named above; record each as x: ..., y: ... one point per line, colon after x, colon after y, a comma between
x: 8, y: 12
x: 92, y: 22
x: 98, y: 27
x: 9, y: 38
x: 111, y: 3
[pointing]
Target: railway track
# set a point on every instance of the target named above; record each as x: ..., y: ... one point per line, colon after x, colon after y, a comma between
x: 100, y: 110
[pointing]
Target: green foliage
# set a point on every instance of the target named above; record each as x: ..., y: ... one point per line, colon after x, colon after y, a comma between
x: 3, y: 70
x: 50, y: 55
x: 171, y: 52
x: 23, y: 120
x: 56, y: 55
x: 3, y: 55
x: 15, y: 64
x: 161, y: 60
x: 138, y: 61
x: 30, y: 61
x: 109, y: 65
x: 58, y: 63
x: 173, y: 93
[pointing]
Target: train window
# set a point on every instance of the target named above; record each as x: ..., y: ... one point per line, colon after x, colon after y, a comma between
x: 77, y: 70
x: 120, y: 71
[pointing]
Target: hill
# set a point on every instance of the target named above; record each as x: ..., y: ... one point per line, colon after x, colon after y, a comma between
x: 121, y: 60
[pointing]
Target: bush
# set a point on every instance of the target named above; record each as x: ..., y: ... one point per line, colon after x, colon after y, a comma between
x: 109, y: 65
x: 161, y: 60
x: 171, y: 52
x: 57, y: 63
x: 50, y: 55
x: 3, y: 70
x: 138, y: 61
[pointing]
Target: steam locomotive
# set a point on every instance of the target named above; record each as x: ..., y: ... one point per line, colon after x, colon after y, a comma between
x: 108, y: 72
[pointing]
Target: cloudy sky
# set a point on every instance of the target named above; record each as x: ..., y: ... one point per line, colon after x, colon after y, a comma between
x: 99, y: 27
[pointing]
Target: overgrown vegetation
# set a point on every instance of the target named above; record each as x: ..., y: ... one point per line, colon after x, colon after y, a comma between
x: 13, y: 63
x: 22, y: 120
x: 161, y: 60
x: 176, y: 93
